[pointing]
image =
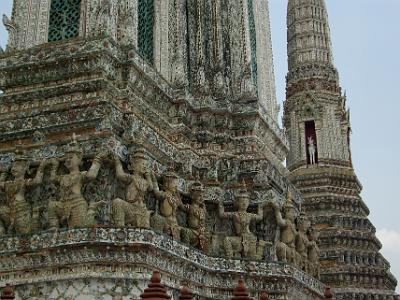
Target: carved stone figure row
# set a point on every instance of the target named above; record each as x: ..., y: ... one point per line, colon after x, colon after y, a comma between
x: 297, y: 243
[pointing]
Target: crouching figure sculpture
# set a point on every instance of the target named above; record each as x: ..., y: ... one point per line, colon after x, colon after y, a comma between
x: 286, y: 248
x: 16, y: 214
x: 72, y: 209
x: 133, y: 211
x: 245, y: 243
x: 196, y: 234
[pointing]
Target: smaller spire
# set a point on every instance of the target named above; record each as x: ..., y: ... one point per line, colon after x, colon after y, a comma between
x: 7, y: 293
x: 155, y: 290
x: 240, y: 292
x: 328, y: 293
x: 185, y: 293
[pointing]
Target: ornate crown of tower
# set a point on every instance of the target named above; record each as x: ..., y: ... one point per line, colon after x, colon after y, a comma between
x: 318, y: 129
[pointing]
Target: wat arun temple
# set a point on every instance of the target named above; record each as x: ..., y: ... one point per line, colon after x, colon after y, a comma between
x: 144, y: 135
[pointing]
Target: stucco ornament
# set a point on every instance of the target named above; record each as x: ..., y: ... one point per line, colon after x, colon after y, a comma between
x: 302, y: 241
x: 133, y: 211
x: 72, y: 209
x: 16, y: 214
x: 245, y: 243
x: 11, y: 28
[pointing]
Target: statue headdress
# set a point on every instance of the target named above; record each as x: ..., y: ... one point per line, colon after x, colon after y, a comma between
x: 242, y: 191
x: 170, y: 174
x: 197, y: 185
x: 139, y: 153
x: 289, y: 202
x: 73, y: 147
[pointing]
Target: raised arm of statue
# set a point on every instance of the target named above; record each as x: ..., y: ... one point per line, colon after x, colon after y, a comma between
x: 54, y: 167
x: 278, y: 216
x: 155, y: 187
x: 96, y: 165
x: 149, y: 179
x: 260, y: 214
x: 39, y: 174
x: 120, y: 173
x: 222, y: 213
x: 3, y: 174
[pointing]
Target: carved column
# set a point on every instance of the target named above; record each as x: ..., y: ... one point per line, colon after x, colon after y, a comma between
x: 161, y: 39
x: 127, y: 22
x: 177, y: 43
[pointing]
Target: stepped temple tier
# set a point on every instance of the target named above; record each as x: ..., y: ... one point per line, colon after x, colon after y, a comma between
x: 141, y: 135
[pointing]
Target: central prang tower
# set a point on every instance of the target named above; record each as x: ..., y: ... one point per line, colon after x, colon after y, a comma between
x: 142, y: 134
x: 319, y: 161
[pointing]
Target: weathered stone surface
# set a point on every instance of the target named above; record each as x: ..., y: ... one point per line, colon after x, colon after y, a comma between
x: 169, y: 158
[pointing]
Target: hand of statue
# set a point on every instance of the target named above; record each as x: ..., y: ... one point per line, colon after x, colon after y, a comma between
x: 274, y: 205
x: 43, y: 164
x: 103, y: 154
x: 116, y: 158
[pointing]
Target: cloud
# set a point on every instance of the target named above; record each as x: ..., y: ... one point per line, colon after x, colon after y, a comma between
x: 391, y: 249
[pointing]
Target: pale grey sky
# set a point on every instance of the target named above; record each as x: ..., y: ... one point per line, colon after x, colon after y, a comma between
x: 366, y: 45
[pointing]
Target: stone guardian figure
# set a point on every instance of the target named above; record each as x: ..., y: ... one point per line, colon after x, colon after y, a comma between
x: 170, y: 200
x: 245, y: 243
x: 196, y: 234
x: 16, y: 215
x: 133, y: 211
x: 302, y: 241
x: 313, y: 252
x: 72, y: 208
x: 286, y: 248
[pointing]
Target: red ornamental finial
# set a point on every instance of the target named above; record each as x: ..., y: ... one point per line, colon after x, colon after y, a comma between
x: 185, y: 293
x: 7, y: 292
x: 240, y: 292
x: 328, y: 293
x: 155, y: 290
x: 264, y: 295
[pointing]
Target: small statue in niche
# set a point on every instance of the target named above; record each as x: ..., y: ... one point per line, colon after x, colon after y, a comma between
x: 17, y: 215
x: 197, y: 234
x: 286, y: 250
x: 302, y: 241
x: 312, y: 150
x: 170, y: 201
x: 313, y: 252
x: 133, y: 211
x: 72, y: 209
x: 245, y: 243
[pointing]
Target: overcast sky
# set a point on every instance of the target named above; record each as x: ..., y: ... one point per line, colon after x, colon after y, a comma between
x: 366, y: 45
